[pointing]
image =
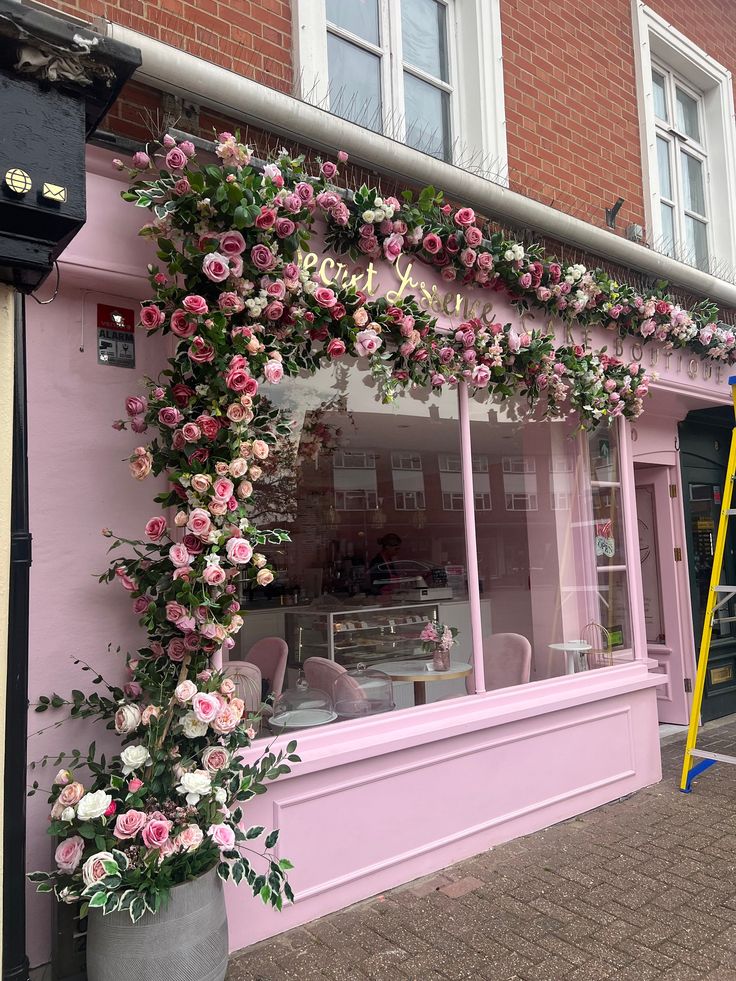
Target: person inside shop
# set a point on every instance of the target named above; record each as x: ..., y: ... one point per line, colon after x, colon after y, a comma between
x: 382, y: 569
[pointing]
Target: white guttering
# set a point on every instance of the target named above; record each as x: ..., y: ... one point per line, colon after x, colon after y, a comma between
x: 198, y: 81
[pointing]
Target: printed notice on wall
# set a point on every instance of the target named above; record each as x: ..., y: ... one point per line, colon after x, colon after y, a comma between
x: 115, y: 336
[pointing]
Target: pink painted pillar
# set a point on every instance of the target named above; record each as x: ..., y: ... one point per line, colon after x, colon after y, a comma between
x: 471, y: 547
x: 631, y: 537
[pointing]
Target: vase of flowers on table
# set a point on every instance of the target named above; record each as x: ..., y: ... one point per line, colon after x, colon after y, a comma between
x: 438, y: 640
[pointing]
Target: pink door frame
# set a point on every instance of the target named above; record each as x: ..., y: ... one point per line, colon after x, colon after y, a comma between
x: 675, y: 657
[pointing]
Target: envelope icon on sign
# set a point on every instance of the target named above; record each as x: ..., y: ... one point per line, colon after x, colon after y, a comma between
x: 54, y: 192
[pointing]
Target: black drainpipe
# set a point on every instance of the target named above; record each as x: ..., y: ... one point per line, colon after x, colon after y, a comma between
x: 15, y: 959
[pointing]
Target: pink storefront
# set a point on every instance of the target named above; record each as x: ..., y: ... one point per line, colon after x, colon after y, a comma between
x: 443, y: 507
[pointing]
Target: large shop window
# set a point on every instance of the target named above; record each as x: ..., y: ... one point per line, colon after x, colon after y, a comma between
x: 419, y: 71
x: 688, y: 146
x: 373, y: 497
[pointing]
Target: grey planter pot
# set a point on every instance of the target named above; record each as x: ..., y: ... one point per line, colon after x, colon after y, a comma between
x: 187, y: 941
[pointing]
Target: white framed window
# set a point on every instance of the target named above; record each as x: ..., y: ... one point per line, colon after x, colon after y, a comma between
x: 408, y: 480
x: 425, y: 72
x: 519, y: 464
x: 686, y: 111
x: 354, y: 479
x: 406, y: 460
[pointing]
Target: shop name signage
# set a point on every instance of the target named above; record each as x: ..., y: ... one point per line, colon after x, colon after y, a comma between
x: 400, y: 279
x: 443, y: 302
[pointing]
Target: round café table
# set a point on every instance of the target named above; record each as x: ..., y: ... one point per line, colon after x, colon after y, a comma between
x: 416, y: 672
x: 575, y: 651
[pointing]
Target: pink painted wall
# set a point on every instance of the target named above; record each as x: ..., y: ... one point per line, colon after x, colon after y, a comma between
x: 79, y: 483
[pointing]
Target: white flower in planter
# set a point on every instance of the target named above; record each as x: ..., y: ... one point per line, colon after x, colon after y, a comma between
x: 196, y: 784
x: 192, y: 727
x: 134, y: 757
x: 94, y: 805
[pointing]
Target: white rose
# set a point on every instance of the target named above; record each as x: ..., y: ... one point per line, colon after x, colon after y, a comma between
x: 196, y: 784
x: 94, y: 805
x: 93, y: 870
x: 127, y: 719
x: 67, y: 814
x: 134, y: 757
x: 220, y: 795
x: 192, y: 727
x: 369, y: 217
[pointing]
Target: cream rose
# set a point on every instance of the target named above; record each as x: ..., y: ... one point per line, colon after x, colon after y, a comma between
x: 71, y: 794
x: 93, y: 869
x: 93, y: 806
x: 127, y: 719
x: 192, y: 727
x: 194, y: 785
x: 260, y: 449
x: 134, y: 757
x: 238, y: 467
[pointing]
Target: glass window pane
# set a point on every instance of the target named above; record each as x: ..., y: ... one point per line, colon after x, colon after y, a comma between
x: 355, y: 83
x: 696, y: 237
x: 663, y: 162
x: 424, y: 36
x: 427, y: 112
x: 687, y: 115
x: 660, y: 98
x: 693, y: 184
x: 668, y: 228
x: 358, y: 16
x: 374, y: 552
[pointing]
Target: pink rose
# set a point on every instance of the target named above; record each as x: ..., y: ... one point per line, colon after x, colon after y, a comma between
x: 156, y: 833
x: 129, y: 824
x: 260, y: 451
x: 69, y: 853
x: 201, y: 351
x: 71, y: 794
x: 232, y: 243
x: 473, y: 236
x: 468, y: 257
x: 213, y: 575
x: 367, y: 342
x: 191, y: 432
x: 134, y: 785
x: 262, y: 257
x: 187, y: 147
x: 305, y: 191
x: 222, y: 835
x: 206, y: 706
x: 181, y: 325
x: 481, y: 375
x: 265, y: 218
x: 175, y: 611
x: 432, y: 243
x: 179, y: 556
x: 199, y: 522
x: 227, y: 720
x: 176, y: 649
x: 222, y: 489
x: 185, y: 691
x: 216, y: 267
x: 195, y: 304
x: 239, y: 550
x: 336, y: 348
x: 464, y: 217
x: 152, y: 317
x: 325, y: 297
x: 176, y: 159
x: 155, y: 528
x: 264, y: 577
x: 273, y: 372
x: 169, y: 416
x: 274, y: 310
x: 285, y: 227
x: 190, y: 838
x: 328, y: 169
x: 141, y: 160
x: 182, y: 187
x: 140, y: 605
x: 237, y: 379
x: 215, y: 758
x: 135, y: 405
x: 230, y: 302
x: 209, y: 425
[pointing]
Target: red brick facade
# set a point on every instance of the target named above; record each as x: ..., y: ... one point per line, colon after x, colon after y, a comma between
x: 569, y: 81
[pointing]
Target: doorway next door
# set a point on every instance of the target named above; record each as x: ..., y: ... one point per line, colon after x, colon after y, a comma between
x: 662, y: 585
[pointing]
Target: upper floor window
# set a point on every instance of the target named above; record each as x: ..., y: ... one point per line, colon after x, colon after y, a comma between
x: 688, y: 146
x: 682, y: 167
x: 395, y: 66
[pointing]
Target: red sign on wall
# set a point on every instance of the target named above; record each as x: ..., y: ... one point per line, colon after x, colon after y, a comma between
x: 115, y: 336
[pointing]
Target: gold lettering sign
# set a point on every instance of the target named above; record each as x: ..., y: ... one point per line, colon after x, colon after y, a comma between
x: 446, y: 303
x: 719, y: 676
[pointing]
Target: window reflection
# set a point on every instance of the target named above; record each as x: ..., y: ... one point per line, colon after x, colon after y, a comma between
x: 372, y: 498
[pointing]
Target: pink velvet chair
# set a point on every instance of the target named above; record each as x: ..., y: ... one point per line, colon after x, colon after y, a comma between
x: 270, y: 655
x: 322, y: 673
x: 507, y: 661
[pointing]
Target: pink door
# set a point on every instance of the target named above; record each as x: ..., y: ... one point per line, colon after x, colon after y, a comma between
x: 664, y: 584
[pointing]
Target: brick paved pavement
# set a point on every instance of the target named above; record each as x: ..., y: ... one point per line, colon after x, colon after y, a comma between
x: 638, y: 890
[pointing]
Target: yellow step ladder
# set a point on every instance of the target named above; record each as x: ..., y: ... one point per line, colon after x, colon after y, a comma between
x: 698, y: 760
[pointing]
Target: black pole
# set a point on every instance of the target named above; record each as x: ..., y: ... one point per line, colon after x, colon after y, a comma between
x: 15, y: 960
